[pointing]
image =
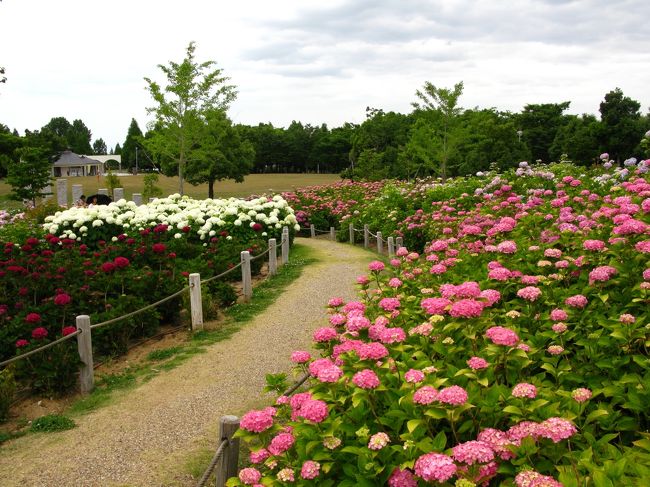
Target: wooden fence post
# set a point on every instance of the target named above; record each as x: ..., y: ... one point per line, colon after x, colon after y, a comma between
x: 246, y: 275
x: 273, y: 257
x: 399, y: 242
x: 366, y: 236
x: 285, y: 245
x: 196, y: 304
x: 351, y: 229
x: 332, y: 233
x: 391, y: 247
x: 380, y: 244
x: 85, y: 347
x: 227, y: 466
x: 312, y: 229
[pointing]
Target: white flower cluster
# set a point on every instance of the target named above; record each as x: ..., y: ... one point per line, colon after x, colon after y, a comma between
x: 205, y: 217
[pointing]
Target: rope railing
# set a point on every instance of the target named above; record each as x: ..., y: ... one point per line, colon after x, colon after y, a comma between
x: 39, y: 349
x: 224, y: 273
x: 213, y: 463
x: 138, y: 311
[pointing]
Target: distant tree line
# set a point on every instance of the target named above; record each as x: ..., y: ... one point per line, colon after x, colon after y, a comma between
x: 437, y: 138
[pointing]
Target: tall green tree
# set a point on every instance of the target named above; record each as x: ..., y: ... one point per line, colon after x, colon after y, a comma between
x: 191, y: 90
x: 539, y: 124
x: 118, y: 149
x: 621, y: 124
x: 79, y: 138
x: 99, y: 147
x: 442, y: 103
x: 579, y: 138
x: 224, y: 154
x: 9, y: 142
x: 30, y: 175
x: 133, y: 138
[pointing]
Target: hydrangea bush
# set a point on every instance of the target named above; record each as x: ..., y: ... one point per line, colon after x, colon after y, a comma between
x: 107, y: 261
x: 512, y: 349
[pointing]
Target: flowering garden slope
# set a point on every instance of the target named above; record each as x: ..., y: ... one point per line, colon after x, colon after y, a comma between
x: 512, y: 350
x: 107, y: 261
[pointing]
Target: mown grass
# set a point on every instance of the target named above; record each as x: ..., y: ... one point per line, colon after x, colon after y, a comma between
x: 253, y: 184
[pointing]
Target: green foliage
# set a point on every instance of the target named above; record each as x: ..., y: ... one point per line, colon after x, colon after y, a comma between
x: 7, y: 391
x: 112, y: 181
x: 31, y: 175
x: 51, y: 423
x: 163, y: 354
x: 128, y: 151
x: 99, y: 147
x: 193, y: 89
x: 151, y: 189
x: 539, y: 124
x: 622, y: 124
x: 38, y: 214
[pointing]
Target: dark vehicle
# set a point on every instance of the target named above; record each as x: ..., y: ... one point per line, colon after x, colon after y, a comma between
x: 98, y: 199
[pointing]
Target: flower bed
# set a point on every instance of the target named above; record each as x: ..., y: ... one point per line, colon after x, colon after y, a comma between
x: 513, y: 351
x: 123, y: 258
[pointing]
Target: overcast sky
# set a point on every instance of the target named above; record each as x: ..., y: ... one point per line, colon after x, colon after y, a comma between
x: 317, y: 61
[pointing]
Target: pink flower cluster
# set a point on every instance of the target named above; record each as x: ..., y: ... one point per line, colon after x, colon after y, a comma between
x: 502, y: 336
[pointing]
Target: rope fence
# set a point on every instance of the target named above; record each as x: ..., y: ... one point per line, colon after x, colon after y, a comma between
x: 39, y: 349
x: 84, y: 327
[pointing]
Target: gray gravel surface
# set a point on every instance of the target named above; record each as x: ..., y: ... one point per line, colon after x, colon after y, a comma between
x: 146, y: 437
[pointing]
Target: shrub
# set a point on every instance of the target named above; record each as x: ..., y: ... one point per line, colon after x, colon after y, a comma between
x: 7, y: 391
x: 51, y: 423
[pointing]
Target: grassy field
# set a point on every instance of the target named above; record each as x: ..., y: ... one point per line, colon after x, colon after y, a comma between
x: 253, y: 184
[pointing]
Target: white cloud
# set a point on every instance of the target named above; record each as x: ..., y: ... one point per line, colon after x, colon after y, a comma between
x: 317, y: 62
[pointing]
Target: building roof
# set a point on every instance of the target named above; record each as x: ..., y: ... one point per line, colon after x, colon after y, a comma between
x: 69, y: 158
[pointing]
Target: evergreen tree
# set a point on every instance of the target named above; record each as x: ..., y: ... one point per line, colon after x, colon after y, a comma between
x: 133, y: 138
x: 99, y: 147
x: 621, y: 124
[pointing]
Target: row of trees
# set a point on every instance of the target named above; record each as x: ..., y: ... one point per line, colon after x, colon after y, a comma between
x: 192, y: 136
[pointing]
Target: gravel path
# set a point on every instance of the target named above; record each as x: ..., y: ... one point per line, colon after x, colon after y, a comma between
x: 146, y: 437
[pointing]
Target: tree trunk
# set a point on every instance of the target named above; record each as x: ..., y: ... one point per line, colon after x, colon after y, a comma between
x: 211, y: 189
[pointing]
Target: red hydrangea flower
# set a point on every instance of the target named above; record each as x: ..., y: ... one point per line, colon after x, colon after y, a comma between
x: 22, y: 343
x: 33, y: 318
x: 158, y: 248
x: 68, y: 330
x: 39, y: 333
x: 62, y: 299
x: 121, y: 262
x: 108, y: 267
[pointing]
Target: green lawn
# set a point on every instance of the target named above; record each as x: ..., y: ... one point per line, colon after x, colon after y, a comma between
x: 253, y: 184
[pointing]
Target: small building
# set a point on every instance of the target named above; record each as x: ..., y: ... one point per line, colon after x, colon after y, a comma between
x: 71, y: 164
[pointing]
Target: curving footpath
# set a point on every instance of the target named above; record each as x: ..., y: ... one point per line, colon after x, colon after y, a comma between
x: 147, y: 436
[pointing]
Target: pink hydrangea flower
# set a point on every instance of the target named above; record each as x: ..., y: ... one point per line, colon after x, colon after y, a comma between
x: 335, y: 302
x: 313, y: 410
x: 366, y: 379
x: 286, y: 475
x: 555, y: 349
x: 559, y: 315
x: 325, y: 334
x: 577, y: 301
x: 281, y: 443
x: 529, y: 293
x: 310, y: 470
x: 258, y: 456
x: 581, y: 394
x: 602, y: 274
x: 425, y: 395
x: 453, y: 395
x: 559, y: 328
x: 530, y: 478
x: 507, y: 247
x: 414, y: 376
x: 378, y: 441
x: 300, y: 357
x: 402, y: 478
x: 477, y: 363
x: 594, y: 245
x: 466, y: 308
x: 556, y: 429
x: 394, y: 282
x: 471, y: 452
x: 389, y: 304
x: 376, y: 266
x: 627, y: 319
x: 498, y: 441
x: 502, y: 336
x: 249, y: 476
x: 435, y: 306
x: 257, y: 421
x: 435, y: 466
x: 524, y: 389
x: 337, y: 319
